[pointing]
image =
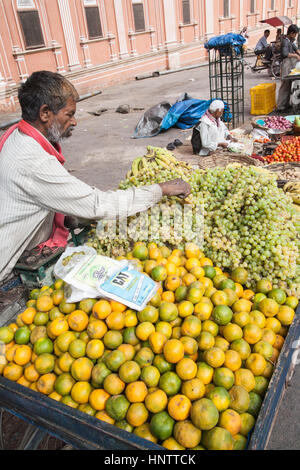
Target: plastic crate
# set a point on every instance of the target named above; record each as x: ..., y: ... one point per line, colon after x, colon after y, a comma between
x: 263, y: 98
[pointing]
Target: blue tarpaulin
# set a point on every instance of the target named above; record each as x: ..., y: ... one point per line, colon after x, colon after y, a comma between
x: 224, y: 42
x: 183, y: 114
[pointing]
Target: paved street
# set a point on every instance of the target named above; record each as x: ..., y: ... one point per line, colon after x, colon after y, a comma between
x: 101, y: 150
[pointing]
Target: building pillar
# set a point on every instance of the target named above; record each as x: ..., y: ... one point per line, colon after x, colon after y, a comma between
x: 69, y: 35
x: 121, y: 29
x: 60, y: 68
x: 21, y: 64
x: 170, y: 22
x: 209, y: 17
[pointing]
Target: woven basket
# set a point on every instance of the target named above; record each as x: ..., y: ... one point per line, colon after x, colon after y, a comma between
x: 257, y: 126
x: 226, y: 158
x: 282, y: 168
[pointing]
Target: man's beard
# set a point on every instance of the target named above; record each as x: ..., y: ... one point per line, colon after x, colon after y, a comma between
x: 56, y: 135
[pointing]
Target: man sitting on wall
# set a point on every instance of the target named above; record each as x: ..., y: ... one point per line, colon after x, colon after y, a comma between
x: 36, y: 192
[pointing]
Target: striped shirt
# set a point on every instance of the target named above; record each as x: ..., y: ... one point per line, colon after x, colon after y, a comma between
x: 34, y: 185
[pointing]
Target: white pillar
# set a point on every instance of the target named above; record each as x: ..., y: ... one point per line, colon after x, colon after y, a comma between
x: 69, y: 35
x: 241, y: 13
x: 170, y: 21
x: 264, y: 10
x: 210, y: 17
x: 121, y: 28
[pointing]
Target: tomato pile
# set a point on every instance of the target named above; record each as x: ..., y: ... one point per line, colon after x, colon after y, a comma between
x: 286, y: 152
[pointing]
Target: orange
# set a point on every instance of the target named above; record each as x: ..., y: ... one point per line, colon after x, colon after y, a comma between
x: 117, y: 306
x: 113, y: 384
x: 242, y: 347
x: 78, y: 320
x: 179, y: 407
x: 157, y: 341
x: 191, y: 326
x: 241, y: 318
x: 239, y: 289
x: 231, y: 332
x: 203, y: 310
x: 285, y: 315
x: 278, y: 343
x: 136, y: 392
x: 242, y: 305
x: 181, y: 271
x: 173, y: 350
x: 275, y: 355
x: 98, y: 398
x: 252, y: 333
x: 192, y: 263
x: 273, y: 324
x: 81, y: 369
x: 171, y: 269
x: 174, y: 259
x: 168, y: 296
x: 221, y: 343
x: 96, y: 329
x: 45, y: 383
x: 94, y: 349
x: 101, y: 309
x: 22, y: 355
x: 198, y: 272
x: 204, y: 414
x: 149, y: 265
x: 186, y: 369
x: 193, y: 389
x: 188, y: 279
x: 256, y: 363
x: 115, y: 320
x: 205, y: 372
x: 230, y: 420
x: 185, y: 308
x: 154, y: 253
x: 268, y: 370
x: 269, y: 307
x: 168, y: 311
x: 233, y: 360
x: 165, y: 328
x: 172, y: 444
x: 103, y: 416
x: 192, y: 250
x: 156, y: 401
x: 44, y: 303
x: 13, y: 371
x: 28, y: 315
x: 130, y: 318
x: 245, y: 378
x: 220, y: 298
x: 159, y: 273
x: 269, y: 336
x: 206, y: 341
x: 210, y: 326
x: 190, y: 345
x: 248, y: 294
x: 137, y: 414
x: 144, y: 330
x: 57, y: 296
x: 81, y: 391
x: 58, y: 326
x: 214, y: 357
x: 149, y: 314
x: 31, y: 374
x: 206, y: 262
x: 258, y: 318
x: 172, y: 282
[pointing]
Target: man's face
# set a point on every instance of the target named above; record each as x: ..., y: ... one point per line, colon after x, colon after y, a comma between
x: 267, y: 35
x: 292, y: 37
x: 219, y: 113
x: 63, y: 123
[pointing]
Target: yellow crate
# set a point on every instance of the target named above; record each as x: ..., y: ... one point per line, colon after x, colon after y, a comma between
x: 263, y: 98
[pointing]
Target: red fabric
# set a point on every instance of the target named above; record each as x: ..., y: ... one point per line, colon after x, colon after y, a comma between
x: 212, y: 118
x: 59, y: 235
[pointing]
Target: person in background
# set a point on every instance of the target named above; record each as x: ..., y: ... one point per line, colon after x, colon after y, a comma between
x: 263, y: 47
x: 290, y: 55
x: 37, y: 192
x: 213, y: 132
x: 277, y: 45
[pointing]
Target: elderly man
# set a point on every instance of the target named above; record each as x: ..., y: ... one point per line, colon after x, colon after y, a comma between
x: 36, y: 192
x: 212, y: 131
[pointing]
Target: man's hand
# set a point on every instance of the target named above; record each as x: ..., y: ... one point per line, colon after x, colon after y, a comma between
x: 223, y: 144
x: 176, y: 187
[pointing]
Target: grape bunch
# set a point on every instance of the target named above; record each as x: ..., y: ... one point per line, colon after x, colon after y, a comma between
x: 246, y: 220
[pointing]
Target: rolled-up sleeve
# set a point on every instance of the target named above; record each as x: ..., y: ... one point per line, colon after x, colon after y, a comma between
x: 55, y: 189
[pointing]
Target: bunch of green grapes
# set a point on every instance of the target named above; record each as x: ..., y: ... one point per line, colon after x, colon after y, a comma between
x: 245, y: 220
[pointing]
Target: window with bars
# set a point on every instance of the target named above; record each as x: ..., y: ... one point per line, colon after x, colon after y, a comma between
x: 226, y: 8
x: 31, y: 27
x: 252, y: 6
x: 93, y: 22
x: 186, y: 12
x: 273, y: 5
x: 138, y: 16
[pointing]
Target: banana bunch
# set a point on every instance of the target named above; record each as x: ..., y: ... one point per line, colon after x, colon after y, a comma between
x: 156, y: 158
x: 293, y: 190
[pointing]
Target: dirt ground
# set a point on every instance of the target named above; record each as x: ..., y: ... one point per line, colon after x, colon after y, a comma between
x: 100, y: 153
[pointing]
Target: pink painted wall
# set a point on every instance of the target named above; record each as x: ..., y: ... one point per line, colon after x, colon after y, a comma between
x: 121, y: 54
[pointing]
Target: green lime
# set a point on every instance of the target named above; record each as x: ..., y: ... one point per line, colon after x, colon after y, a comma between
x: 170, y: 383
x: 114, y: 360
x: 222, y: 314
x: 161, y: 425
x: 117, y: 406
x: 6, y: 334
x: 181, y: 293
x: 43, y: 345
x: 22, y: 335
x: 227, y: 284
x: 41, y: 318
x: 255, y: 404
x: 278, y: 295
x: 210, y: 271
x: 129, y: 336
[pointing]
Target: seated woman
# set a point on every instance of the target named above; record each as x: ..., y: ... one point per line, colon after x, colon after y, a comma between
x: 213, y: 132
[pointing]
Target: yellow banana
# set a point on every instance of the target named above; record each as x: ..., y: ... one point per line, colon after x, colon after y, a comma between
x: 135, y: 166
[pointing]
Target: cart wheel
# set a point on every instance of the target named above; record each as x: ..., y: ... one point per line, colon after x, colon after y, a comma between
x: 275, y: 68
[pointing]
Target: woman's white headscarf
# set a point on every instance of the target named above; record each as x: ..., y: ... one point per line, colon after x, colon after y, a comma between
x: 216, y: 105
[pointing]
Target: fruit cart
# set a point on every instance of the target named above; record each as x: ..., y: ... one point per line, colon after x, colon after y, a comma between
x: 47, y: 416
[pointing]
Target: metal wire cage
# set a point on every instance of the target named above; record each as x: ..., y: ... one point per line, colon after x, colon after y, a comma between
x: 226, y: 80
